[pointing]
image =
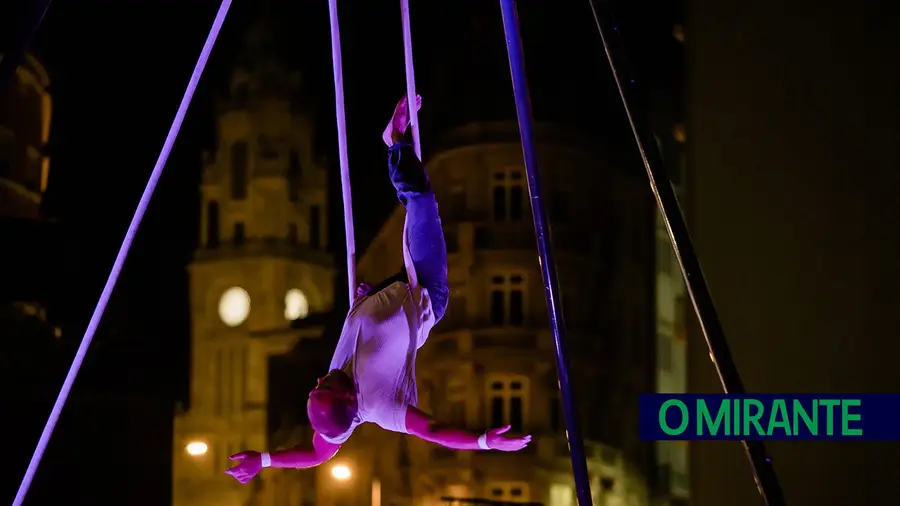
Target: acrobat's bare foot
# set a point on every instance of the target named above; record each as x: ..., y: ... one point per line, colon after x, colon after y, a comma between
x: 396, y: 128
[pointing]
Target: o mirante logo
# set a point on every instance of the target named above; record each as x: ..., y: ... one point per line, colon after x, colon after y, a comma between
x: 789, y: 416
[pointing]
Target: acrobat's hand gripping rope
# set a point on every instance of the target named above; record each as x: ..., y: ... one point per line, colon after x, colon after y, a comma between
x: 411, y: 97
x: 123, y: 254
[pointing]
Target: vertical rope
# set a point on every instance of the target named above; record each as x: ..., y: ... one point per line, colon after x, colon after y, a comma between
x: 123, y: 254
x: 341, y: 116
x: 410, y: 78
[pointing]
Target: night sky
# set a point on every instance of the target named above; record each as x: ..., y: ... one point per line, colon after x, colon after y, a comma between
x: 792, y: 142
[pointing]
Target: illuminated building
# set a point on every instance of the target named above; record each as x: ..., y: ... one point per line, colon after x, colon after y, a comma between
x: 261, y: 264
x: 490, y: 361
x: 24, y: 171
x: 25, y: 112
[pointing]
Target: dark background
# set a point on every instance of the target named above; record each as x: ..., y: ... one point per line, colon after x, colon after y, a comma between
x: 793, y: 159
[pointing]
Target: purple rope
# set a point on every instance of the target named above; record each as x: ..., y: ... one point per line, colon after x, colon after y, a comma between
x: 123, y: 254
x: 341, y: 117
x: 410, y: 77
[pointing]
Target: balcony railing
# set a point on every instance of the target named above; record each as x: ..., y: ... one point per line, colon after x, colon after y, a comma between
x: 516, y: 236
x: 265, y: 246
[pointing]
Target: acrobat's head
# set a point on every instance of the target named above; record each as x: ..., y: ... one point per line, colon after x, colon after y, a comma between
x: 332, y: 404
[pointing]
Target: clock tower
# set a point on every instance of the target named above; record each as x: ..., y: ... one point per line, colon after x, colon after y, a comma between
x: 261, y: 263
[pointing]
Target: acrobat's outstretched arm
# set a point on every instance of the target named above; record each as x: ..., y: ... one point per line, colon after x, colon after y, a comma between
x: 424, y: 426
x: 251, y: 462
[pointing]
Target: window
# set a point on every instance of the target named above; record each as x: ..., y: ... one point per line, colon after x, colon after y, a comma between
x: 315, y: 227
x: 507, y: 299
x: 404, y: 463
x: 663, y: 353
x: 239, y: 234
x: 457, y: 199
x: 292, y: 233
x: 562, y: 495
x: 508, y: 492
x: 507, y: 397
x: 229, y: 370
x: 607, y: 484
x: 556, y: 416
x: 456, y: 309
x: 295, y: 174
x: 456, y: 403
x: 403, y: 460
x: 212, y: 224
x: 508, y: 188
x: 239, y: 170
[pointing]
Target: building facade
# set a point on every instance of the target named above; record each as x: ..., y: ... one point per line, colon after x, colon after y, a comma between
x: 261, y: 265
x: 490, y: 362
x: 25, y: 112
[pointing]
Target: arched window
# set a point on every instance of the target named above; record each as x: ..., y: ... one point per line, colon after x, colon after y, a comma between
x: 212, y: 224
x: 239, y: 170
x: 295, y: 174
x: 315, y: 227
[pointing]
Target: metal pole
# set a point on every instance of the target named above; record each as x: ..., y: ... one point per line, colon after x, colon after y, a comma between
x: 16, y: 55
x: 766, y: 480
x: 341, y: 116
x: 545, y: 249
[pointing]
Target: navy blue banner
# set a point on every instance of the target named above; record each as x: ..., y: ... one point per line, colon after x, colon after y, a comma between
x: 776, y: 417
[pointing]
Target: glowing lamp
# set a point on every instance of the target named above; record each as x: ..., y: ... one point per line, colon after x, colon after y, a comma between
x: 196, y: 448
x: 296, y: 306
x: 340, y: 472
x: 234, y: 306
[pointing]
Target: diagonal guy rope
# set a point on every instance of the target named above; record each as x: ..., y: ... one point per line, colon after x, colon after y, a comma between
x: 123, y: 254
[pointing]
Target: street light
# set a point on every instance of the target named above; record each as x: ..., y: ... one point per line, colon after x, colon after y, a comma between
x: 340, y: 472
x: 196, y: 448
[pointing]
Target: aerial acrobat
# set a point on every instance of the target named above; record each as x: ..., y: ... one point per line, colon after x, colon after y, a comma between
x: 372, y: 373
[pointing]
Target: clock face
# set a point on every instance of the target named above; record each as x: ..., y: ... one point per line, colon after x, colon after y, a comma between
x: 296, y: 307
x: 234, y: 306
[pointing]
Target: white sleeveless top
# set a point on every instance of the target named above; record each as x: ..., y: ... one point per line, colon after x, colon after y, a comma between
x: 378, y: 346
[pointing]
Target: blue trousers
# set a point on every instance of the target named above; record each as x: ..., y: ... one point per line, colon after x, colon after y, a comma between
x: 426, y: 237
